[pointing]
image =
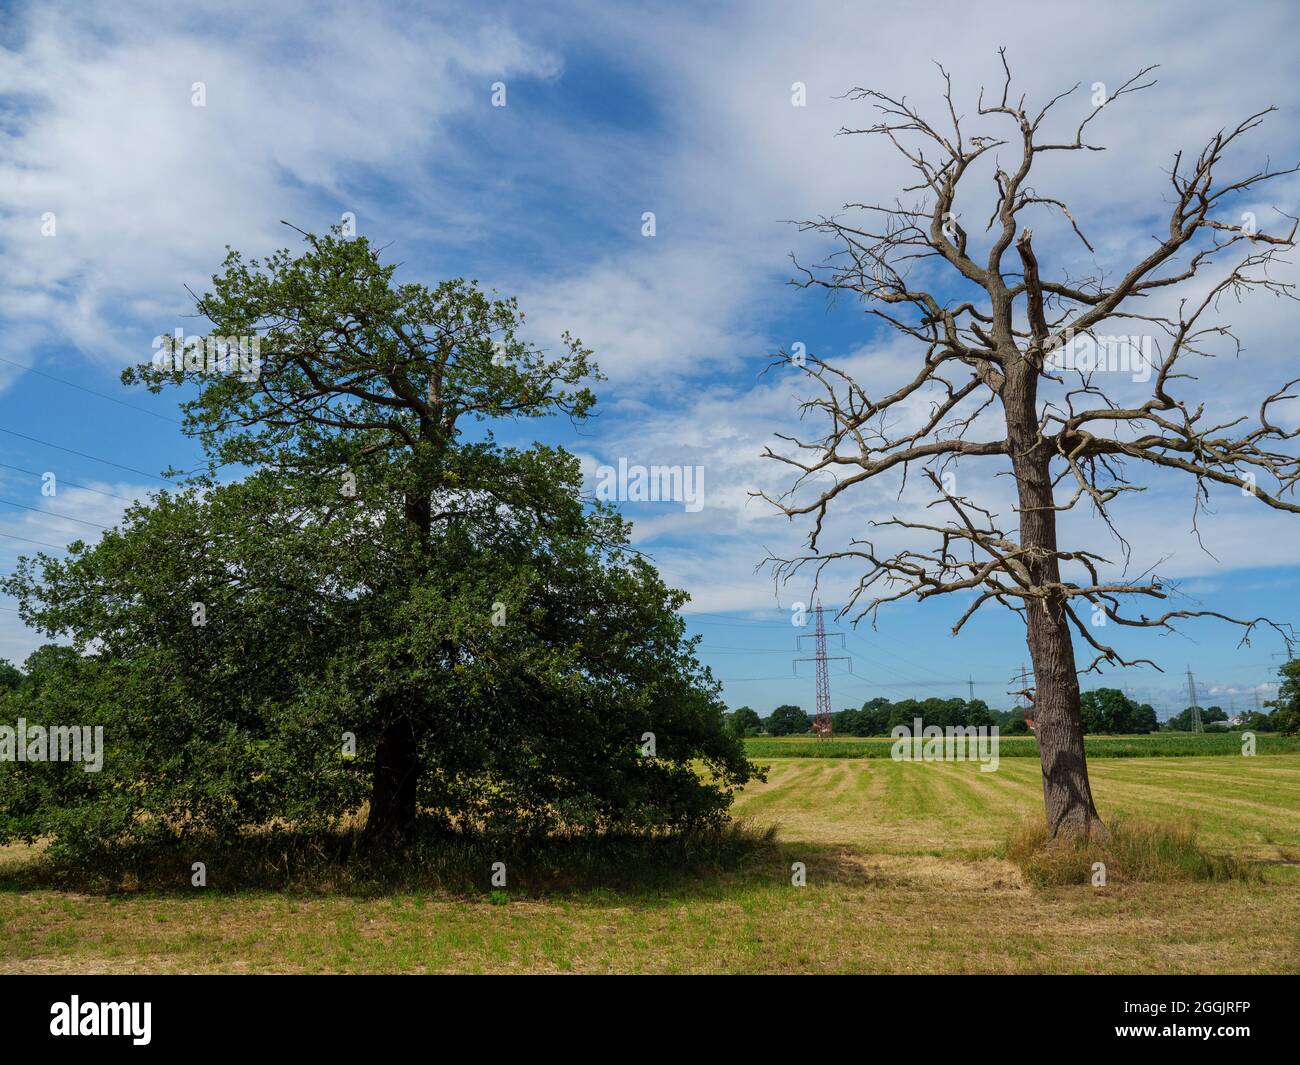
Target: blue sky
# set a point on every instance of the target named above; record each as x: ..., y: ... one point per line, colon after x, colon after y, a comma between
x: 312, y: 111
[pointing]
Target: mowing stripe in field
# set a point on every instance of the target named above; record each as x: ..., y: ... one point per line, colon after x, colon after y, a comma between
x: 922, y: 807
x: 1225, y: 818
x: 1251, y: 774
x: 977, y: 793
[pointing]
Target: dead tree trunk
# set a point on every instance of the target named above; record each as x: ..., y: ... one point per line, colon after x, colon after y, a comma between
x: 1067, y: 795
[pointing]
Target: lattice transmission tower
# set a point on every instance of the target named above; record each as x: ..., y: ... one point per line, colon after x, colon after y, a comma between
x: 1024, y: 696
x: 1191, y: 697
x: 822, y: 718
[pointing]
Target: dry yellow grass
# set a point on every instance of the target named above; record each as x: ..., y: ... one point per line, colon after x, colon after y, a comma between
x: 903, y: 875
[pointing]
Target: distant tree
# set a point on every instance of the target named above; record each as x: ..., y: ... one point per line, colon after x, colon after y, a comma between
x: 845, y: 722
x: 878, y: 716
x: 944, y: 712
x: 1183, y: 722
x: 903, y: 712
x: 1286, y: 707
x: 977, y: 713
x: 787, y: 720
x: 1255, y: 721
x: 1145, y: 720
x: 1092, y: 713
x: 46, y: 664
x: 873, y: 718
x: 1109, y: 711
x: 744, y: 721
x: 1286, y: 722
x: 1014, y: 723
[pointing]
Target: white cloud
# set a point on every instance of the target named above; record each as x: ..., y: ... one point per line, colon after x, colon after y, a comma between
x: 303, y: 105
x: 147, y: 189
x: 743, y: 159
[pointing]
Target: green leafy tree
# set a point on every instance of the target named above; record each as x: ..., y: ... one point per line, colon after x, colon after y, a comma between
x: 903, y: 712
x: 1014, y: 723
x: 1286, y: 708
x: 845, y: 722
x: 1110, y: 711
x: 873, y: 718
x: 745, y: 722
x: 787, y: 720
x: 1145, y: 720
x: 977, y: 713
x: 387, y: 579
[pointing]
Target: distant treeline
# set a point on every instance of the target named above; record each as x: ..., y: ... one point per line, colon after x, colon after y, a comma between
x: 1106, y: 711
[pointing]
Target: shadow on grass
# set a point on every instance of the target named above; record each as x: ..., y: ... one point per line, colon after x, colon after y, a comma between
x: 347, y: 863
x: 616, y: 868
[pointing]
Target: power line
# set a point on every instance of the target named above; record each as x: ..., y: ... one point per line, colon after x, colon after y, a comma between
x: 91, y: 391
x: 743, y: 624
x: 726, y: 649
x: 28, y: 540
x: 70, y: 484
x: 52, y: 514
x: 925, y: 678
x: 894, y: 657
x: 734, y: 621
x: 905, y: 679
x: 899, y: 687
x: 876, y: 685
x: 721, y: 650
x: 82, y: 454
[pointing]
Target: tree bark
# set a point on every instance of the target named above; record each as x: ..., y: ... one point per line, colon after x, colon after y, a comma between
x: 1067, y: 794
x: 392, y: 794
x: 397, y: 752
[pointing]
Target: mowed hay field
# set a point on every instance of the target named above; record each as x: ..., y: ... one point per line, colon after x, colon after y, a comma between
x: 903, y: 876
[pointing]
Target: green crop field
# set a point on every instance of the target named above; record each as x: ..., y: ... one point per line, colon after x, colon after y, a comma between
x: 904, y: 874
x: 1155, y: 745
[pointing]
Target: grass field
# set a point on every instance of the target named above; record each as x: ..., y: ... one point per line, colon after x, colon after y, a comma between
x: 904, y: 874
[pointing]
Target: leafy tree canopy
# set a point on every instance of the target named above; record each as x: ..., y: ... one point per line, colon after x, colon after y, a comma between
x: 389, y: 609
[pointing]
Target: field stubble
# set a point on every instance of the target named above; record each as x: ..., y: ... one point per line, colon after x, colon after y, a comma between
x: 906, y: 872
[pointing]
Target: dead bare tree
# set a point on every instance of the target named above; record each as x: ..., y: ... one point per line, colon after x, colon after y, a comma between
x: 986, y: 358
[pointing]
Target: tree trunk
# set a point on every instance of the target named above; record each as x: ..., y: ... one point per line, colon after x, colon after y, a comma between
x: 392, y: 794
x: 1067, y: 795
x: 397, y: 752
